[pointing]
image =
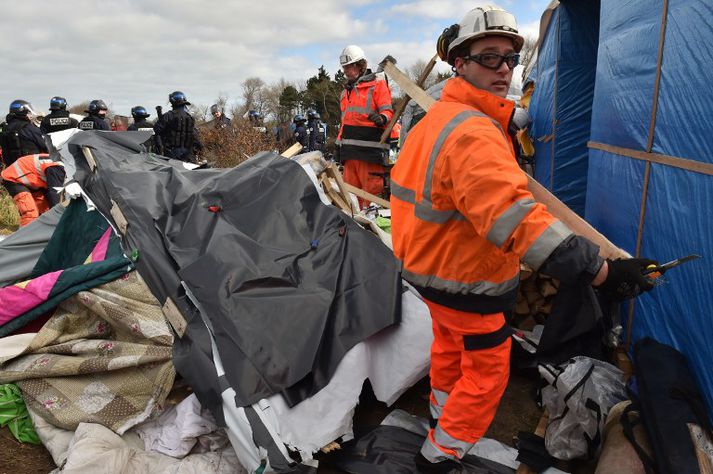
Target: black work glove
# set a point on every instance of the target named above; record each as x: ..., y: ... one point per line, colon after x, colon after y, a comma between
x: 378, y: 119
x: 626, y: 279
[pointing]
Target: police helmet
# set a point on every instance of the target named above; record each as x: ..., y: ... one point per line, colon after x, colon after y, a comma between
x: 139, y: 112
x: 311, y: 113
x: 253, y: 114
x: 21, y: 108
x: 299, y: 118
x: 58, y: 103
x: 96, y: 106
x: 317, y: 116
x: 178, y: 98
x: 215, y: 109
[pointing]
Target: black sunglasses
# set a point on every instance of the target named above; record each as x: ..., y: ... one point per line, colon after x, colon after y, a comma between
x: 494, y: 60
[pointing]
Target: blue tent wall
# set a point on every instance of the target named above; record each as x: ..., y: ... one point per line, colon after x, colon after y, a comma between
x: 678, y: 203
x: 562, y: 100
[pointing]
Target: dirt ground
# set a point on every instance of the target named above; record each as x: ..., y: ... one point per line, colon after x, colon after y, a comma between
x: 517, y: 412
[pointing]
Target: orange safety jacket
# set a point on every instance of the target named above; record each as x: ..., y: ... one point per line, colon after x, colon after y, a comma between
x: 462, y: 215
x: 29, y: 170
x: 359, y: 137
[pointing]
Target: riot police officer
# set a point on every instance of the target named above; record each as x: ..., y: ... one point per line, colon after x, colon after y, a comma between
x: 140, y: 115
x: 96, y: 120
x: 176, y: 133
x: 21, y: 136
x: 317, y: 131
x: 220, y: 121
x: 59, y: 118
x: 301, y: 133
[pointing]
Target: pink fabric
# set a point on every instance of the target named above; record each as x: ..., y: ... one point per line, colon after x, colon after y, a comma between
x: 15, y: 301
x: 99, y: 252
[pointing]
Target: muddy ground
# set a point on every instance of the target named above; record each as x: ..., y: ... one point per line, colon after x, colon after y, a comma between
x: 517, y: 412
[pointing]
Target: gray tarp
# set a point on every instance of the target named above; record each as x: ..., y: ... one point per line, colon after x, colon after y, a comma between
x: 19, y: 251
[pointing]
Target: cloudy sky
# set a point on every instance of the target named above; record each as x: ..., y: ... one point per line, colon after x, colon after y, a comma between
x: 131, y: 52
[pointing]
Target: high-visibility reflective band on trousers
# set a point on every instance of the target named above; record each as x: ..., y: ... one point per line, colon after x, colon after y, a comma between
x: 470, y: 364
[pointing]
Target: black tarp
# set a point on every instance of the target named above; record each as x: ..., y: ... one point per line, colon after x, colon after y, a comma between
x: 287, y: 284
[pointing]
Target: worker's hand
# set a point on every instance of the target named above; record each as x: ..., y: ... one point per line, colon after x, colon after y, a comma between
x: 625, y: 278
x: 378, y: 119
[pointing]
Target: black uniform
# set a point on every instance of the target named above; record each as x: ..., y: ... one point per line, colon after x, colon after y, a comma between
x: 94, y: 122
x: 20, y: 137
x: 57, y: 120
x: 177, y: 136
x: 142, y: 125
x: 302, y: 135
x: 317, y: 132
x: 222, y: 122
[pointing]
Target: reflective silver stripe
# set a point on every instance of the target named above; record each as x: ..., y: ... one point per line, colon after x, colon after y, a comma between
x: 541, y: 248
x: 447, y: 441
x: 422, y: 211
x: 370, y: 99
x: 385, y: 107
x: 505, y: 225
x: 435, y: 410
x: 452, y: 286
x: 21, y: 175
x: 364, y: 143
x: 436, y: 150
x: 440, y: 396
x: 359, y: 110
x: 38, y: 161
x: 433, y: 454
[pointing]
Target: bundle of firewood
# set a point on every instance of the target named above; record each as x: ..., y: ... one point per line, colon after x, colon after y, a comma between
x: 534, y: 298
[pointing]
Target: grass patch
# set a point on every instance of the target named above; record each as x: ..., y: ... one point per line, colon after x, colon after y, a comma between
x: 9, y: 217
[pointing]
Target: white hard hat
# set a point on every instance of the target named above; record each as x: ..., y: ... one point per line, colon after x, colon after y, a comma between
x: 486, y: 21
x: 351, y: 54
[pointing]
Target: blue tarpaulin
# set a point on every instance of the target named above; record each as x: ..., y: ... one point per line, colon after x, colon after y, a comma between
x: 566, y: 66
x: 628, y: 112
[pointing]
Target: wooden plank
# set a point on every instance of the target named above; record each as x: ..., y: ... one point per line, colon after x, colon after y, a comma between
x: 556, y: 207
x: 334, y: 173
x: 578, y: 225
x: 400, y: 110
x: 90, y: 158
x: 408, y: 86
x: 369, y: 197
x: 292, y: 151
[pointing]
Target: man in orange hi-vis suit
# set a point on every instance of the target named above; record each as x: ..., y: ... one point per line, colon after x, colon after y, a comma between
x: 31, y: 181
x: 366, y: 109
x: 463, y: 220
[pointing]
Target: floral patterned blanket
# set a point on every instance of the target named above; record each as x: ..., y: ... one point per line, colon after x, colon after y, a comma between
x: 103, y: 357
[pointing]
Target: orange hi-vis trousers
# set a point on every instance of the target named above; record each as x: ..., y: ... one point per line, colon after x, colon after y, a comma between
x: 470, y: 366
x: 30, y: 205
x: 361, y: 174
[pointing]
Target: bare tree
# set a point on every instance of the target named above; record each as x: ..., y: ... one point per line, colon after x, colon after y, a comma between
x: 252, y: 86
x: 271, y: 99
x: 416, y: 69
x: 528, y: 51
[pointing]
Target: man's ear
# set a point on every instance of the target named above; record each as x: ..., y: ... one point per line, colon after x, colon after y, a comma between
x: 459, y: 63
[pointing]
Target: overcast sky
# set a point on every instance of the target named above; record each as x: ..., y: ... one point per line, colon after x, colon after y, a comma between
x: 131, y: 52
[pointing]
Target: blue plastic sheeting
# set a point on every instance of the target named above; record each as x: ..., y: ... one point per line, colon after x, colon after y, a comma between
x: 563, y: 95
x: 679, y: 206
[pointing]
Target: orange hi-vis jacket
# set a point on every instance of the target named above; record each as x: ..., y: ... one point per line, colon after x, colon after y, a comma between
x: 358, y: 136
x: 29, y: 170
x: 462, y: 215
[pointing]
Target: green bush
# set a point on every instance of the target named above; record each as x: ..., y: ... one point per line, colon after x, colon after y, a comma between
x: 9, y: 217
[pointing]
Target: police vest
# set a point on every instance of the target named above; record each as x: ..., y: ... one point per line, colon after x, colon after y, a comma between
x: 57, y: 121
x: 13, y: 146
x: 91, y: 123
x: 180, y: 126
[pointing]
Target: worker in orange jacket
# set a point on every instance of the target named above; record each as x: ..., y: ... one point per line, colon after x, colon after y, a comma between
x: 31, y: 181
x: 462, y: 221
x: 366, y: 109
